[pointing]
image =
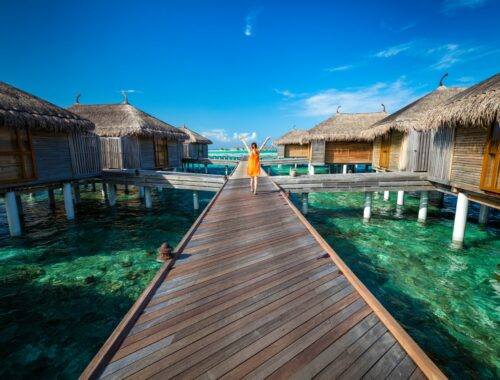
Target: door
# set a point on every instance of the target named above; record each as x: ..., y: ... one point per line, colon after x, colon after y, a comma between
x: 161, y: 152
x: 490, y: 176
x: 385, y: 151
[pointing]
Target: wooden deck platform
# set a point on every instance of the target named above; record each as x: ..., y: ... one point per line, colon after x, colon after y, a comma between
x: 256, y: 293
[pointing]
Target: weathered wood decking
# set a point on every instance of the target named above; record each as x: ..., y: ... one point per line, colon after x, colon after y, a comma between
x: 257, y: 293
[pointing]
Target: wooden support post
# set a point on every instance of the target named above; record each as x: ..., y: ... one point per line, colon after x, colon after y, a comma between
x: 422, y: 209
x: 147, y: 197
x: 386, y: 195
x: 483, y: 214
x: 305, y: 203
x: 367, y: 212
x: 206, y: 168
x: 19, y: 203
x: 141, y: 192
x: 401, y: 198
x: 376, y: 195
x: 227, y: 170
x: 196, y: 201
x: 111, y: 194
x: 344, y: 169
x: 52, y: 199
x: 76, y: 192
x: 104, y: 190
x: 68, y: 200
x: 12, y: 214
x: 310, y: 169
x: 460, y: 219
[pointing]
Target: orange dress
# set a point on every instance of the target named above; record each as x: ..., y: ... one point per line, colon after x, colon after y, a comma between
x: 253, y: 168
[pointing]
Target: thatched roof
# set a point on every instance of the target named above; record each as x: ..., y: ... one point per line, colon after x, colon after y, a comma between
x: 194, y: 138
x: 475, y: 107
x: 292, y: 137
x: 18, y: 109
x: 123, y: 119
x: 412, y: 116
x: 344, y: 127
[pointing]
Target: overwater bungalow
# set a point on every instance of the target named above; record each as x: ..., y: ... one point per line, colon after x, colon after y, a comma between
x: 339, y: 139
x: 131, y: 138
x: 196, y: 146
x: 397, y: 144
x: 42, y: 146
x: 290, y: 145
x: 465, y: 148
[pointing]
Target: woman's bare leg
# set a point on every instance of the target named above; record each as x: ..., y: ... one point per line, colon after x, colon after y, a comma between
x: 251, y: 183
x: 255, y: 182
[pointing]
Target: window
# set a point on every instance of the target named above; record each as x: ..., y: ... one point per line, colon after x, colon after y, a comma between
x: 161, y: 152
x: 490, y: 176
x: 16, y: 156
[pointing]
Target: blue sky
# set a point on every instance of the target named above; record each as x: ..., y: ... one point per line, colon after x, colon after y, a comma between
x: 257, y: 68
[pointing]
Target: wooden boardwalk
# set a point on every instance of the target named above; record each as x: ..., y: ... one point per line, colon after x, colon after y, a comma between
x: 256, y: 293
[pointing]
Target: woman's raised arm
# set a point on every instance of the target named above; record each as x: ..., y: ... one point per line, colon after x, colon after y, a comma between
x: 264, y: 143
x: 245, y: 143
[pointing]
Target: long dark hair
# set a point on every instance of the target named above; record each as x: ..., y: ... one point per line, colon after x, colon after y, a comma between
x: 254, y: 145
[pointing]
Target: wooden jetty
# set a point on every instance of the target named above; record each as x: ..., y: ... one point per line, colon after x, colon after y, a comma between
x: 255, y: 292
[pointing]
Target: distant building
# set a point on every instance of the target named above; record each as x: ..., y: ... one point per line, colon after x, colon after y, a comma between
x: 196, y: 146
x: 290, y: 146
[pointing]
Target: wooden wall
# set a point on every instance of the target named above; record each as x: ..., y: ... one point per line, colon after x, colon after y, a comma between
x: 415, y: 157
x: 147, y: 148
x: 376, y: 152
x: 348, y: 152
x: 281, y: 151
x: 440, y: 153
x: 131, y: 152
x: 397, y: 147
x: 111, y: 153
x: 175, y: 153
x: 317, y: 153
x: 85, y: 154
x: 52, y: 155
x: 297, y: 150
x: 195, y: 150
x: 467, y: 160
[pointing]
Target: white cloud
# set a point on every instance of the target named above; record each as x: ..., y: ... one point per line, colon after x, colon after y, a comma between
x: 285, y: 93
x: 451, y: 54
x: 245, y: 135
x: 360, y: 99
x: 220, y: 135
x: 249, y: 23
x: 395, y: 50
x: 132, y: 91
x: 339, y: 68
x: 450, y: 6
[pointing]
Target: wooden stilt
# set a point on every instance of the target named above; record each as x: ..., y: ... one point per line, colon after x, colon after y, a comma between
x: 460, y: 219
x: 196, y: 201
x: 422, y: 209
x: 111, y: 194
x: 148, y: 197
x: 367, y: 212
x: 305, y: 203
x: 68, y: 200
x: 12, y: 214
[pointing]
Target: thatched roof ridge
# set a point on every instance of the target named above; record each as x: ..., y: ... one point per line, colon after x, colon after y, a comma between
x: 344, y: 127
x: 19, y: 109
x: 412, y: 116
x: 123, y: 119
x: 194, y: 137
x: 292, y: 137
x: 475, y: 107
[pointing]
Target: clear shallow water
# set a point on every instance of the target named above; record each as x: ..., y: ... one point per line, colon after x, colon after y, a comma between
x: 448, y: 300
x: 64, y: 286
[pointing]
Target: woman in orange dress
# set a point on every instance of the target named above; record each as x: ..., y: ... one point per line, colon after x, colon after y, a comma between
x: 253, y: 167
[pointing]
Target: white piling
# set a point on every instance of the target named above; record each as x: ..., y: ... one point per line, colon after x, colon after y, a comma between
x: 386, y: 196
x: 68, y: 200
x: 483, y: 214
x: 305, y: 203
x: 401, y: 198
x: 367, y: 212
x: 12, y: 214
x: 460, y: 219
x: 196, y: 201
x: 206, y: 169
x: 104, y: 190
x: 422, y: 208
x: 310, y: 169
x: 147, y: 197
x: 344, y: 169
x: 227, y: 170
x: 111, y: 194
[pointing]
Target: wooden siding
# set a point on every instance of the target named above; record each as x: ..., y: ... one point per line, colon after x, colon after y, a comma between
x: 131, y: 152
x: 195, y: 151
x: 416, y: 156
x: 175, y: 152
x: 376, y: 152
x: 85, y: 154
x: 397, y: 143
x: 111, y: 153
x: 347, y: 152
x: 52, y: 155
x: 281, y: 151
x: 318, y: 152
x: 147, y: 153
x: 296, y: 150
x: 468, y: 154
x: 440, y: 153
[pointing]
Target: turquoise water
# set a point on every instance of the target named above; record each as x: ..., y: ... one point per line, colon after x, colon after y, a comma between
x: 447, y: 299
x: 64, y: 286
